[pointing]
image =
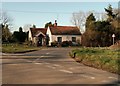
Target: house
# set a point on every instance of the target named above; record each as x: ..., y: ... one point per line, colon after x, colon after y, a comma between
x: 37, y: 36
x: 45, y: 36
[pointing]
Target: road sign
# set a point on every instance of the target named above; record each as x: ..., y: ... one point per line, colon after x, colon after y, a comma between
x: 113, y: 35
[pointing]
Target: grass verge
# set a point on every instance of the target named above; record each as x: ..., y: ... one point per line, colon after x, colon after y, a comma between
x: 18, y: 48
x: 101, y: 58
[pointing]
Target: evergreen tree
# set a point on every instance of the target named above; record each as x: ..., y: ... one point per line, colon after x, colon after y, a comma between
x: 34, y: 26
x: 110, y: 14
x: 48, y: 24
x: 19, y: 36
x: 90, y: 21
x: 20, y: 29
x: 99, y: 33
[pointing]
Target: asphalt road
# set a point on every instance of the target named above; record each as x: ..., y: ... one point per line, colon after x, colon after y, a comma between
x: 50, y: 66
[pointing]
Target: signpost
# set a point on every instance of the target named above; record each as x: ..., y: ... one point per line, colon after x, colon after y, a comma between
x: 113, y: 36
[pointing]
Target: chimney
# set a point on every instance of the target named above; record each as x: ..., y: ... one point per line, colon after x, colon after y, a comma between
x: 55, y: 24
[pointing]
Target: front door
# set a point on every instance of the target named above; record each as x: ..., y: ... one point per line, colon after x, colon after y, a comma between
x: 40, y: 40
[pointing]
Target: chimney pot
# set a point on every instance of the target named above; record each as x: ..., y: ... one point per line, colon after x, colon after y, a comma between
x: 55, y: 24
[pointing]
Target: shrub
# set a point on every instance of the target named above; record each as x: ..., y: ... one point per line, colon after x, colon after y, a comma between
x: 66, y: 43
x: 54, y: 44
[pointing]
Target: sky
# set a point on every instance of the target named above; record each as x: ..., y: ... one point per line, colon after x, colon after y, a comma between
x: 39, y: 13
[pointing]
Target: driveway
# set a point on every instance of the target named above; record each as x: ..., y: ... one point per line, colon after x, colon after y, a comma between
x: 51, y: 66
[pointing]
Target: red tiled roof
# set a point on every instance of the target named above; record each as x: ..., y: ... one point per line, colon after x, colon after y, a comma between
x: 65, y: 30
x: 35, y: 31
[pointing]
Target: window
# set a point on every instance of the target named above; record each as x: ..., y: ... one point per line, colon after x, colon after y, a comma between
x: 59, y: 39
x: 73, y: 39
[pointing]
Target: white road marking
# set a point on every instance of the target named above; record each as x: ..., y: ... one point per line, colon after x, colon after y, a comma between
x: 30, y: 61
x: 13, y: 64
x: 66, y: 71
x: 71, y: 68
x: 41, y: 56
x: 46, y: 63
x: 51, y: 67
x: 85, y: 76
x: 104, y: 81
x: 57, y: 65
x: 37, y: 63
x: 46, y: 56
x: 92, y: 77
x: 47, y: 53
x: 88, y: 76
x: 35, y: 60
x: 112, y: 78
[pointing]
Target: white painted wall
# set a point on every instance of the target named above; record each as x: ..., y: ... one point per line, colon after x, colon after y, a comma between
x: 50, y: 35
x: 66, y: 37
x: 30, y: 35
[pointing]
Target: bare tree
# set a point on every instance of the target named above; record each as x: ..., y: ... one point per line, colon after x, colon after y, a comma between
x: 116, y: 22
x: 117, y: 12
x: 100, y: 16
x: 103, y: 16
x: 5, y: 25
x: 79, y: 18
x: 5, y: 19
x: 26, y: 27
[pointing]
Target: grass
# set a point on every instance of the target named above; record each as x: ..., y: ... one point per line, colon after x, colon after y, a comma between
x: 17, y: 48
x: 101, y: 58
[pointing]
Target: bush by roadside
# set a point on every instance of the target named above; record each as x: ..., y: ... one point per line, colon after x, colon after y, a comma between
x: 101, y: 58
x: 64, y: 44
x: 54, y: 44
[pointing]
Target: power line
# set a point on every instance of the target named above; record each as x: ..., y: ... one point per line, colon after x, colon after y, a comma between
x: 49, y: 12
x: 56, y: 13
x: 38, y: 12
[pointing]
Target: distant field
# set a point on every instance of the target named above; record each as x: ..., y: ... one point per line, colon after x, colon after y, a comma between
x: 101, y: 58
x: 17, y: 48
